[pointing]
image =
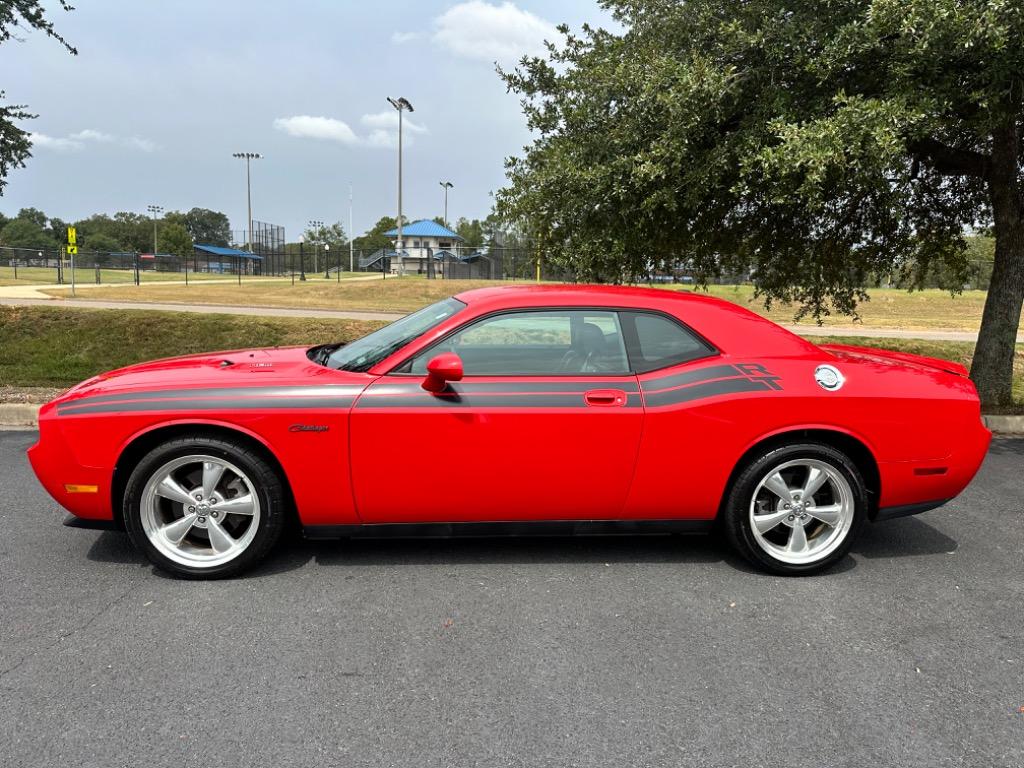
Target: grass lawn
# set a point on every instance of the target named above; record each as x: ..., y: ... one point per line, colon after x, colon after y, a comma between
x: 44, y: 275
x: 54, y: 347
x: 888, y: 308
x: 399, y: 295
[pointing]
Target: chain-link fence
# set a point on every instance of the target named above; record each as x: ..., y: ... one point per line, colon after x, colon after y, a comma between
x: 269, y: 256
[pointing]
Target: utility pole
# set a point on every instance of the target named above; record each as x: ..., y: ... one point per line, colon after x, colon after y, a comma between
x: 154, y: 210
x: 351, y: 234
x: 447, y: 185
x: 402, y: 105
x: 248, y: 156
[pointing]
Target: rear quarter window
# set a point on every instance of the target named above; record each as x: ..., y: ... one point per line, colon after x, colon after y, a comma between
x: 659, y: 342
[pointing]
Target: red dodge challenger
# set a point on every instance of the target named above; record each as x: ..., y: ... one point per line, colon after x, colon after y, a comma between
x: 563, y: 409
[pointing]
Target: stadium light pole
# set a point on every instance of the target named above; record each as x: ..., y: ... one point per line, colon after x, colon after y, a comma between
x: 351, y: 235
x: 447, y: 185
x: 154, y: 210
x: 402, y: 105
x: 317, y: 228
x: 248, y: 157
x: 302, y: 259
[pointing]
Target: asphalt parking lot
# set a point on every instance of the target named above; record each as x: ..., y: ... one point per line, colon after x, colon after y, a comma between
x: 533, y: 652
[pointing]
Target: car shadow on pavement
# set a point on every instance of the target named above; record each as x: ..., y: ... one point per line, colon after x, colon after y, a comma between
x: 903, y: 537
x: 897, y: 538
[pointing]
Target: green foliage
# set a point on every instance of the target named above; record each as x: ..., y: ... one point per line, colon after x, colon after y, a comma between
x: 472, y: 232
x: 48, y: 346
x: 34, y: 215
x: 208, y: 227
x: 175, y: 239
x: 25, y: 233
x: 99, y: 242
x: 773, y: 137
x: 375, y: 237
x: 331, y: 234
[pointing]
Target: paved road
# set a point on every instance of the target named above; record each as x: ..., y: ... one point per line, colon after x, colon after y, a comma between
x: 550, y: 652
x: 805, y: 330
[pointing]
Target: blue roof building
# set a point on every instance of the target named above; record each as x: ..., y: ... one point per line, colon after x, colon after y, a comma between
x: 422, y: 242
x: 424, y: 228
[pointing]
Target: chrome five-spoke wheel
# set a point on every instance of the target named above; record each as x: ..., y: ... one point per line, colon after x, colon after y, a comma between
x: 801, y: 511
x: 796, y: 509
x: 200, y: 510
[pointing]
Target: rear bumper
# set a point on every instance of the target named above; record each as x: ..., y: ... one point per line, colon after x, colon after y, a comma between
x: 905, y: 510
x: 71, y: 521
x: 921, y: 485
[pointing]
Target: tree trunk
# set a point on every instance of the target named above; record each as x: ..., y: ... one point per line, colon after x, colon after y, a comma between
x: 992, y: 369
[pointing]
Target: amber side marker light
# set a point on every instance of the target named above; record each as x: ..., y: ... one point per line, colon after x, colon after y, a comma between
x: 73, y: 488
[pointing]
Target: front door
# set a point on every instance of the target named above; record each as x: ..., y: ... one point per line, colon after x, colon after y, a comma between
x: 545, y: 425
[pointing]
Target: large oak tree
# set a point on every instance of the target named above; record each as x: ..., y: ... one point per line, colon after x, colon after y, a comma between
x: 817, y: 143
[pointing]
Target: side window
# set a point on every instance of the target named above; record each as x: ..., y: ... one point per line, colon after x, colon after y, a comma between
x: 544, y: 343
x: 661, y: 342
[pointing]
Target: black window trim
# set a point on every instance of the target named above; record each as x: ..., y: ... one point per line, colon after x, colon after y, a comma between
x: 632, y: 352
x: 632, y: 340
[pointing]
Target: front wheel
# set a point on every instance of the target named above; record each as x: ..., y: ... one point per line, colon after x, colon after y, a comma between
x: 796, y: 509
x: 204, y: 507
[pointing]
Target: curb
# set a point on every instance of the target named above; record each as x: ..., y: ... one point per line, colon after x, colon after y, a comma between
x: 25, y: 415
x: 19, y: 414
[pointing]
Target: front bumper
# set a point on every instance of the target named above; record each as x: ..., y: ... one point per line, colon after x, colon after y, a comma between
x: 83, y: 491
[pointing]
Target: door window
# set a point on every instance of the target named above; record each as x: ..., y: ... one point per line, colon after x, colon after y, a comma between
x: 548, y: 343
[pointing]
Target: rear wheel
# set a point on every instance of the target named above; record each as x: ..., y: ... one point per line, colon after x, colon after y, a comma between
x: 204, y: 507
x: 796, y: 509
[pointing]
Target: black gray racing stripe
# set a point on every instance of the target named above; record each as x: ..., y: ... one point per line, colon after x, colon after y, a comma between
x: 160, y: 394
x: 277, y: 403
x: 423, y: 399
x: 707, y: 389
x: 226, y: 397
x: 691, y: 377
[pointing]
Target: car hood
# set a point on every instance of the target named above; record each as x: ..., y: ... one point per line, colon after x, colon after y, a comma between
x: 232, y: 368
x: 890, y: 357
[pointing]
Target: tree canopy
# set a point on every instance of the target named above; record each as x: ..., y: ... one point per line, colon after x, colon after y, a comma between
x: 817, y: 145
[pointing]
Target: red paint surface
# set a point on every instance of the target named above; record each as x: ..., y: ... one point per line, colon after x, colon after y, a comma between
x: 396, y: 453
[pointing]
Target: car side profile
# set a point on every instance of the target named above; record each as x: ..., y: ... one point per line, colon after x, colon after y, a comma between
x: 569, y: 409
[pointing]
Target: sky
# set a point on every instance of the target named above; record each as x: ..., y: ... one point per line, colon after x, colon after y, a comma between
x: 161, y: 95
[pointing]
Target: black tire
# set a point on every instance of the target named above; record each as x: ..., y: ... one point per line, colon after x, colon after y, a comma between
x: 736, y: 511
x: 266, y: 482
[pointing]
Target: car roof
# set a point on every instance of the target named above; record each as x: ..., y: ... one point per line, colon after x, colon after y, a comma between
x: 726, y: 324
x: 605, y: 295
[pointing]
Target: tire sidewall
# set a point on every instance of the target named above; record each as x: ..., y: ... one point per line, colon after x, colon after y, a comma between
x: 265, y: 482
x: 737, y: 512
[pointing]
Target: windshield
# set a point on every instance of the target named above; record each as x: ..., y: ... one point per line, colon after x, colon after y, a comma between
x: 363, y: 354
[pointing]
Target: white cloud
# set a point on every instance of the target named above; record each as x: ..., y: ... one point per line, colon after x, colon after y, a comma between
x: 401, y: 38
x: 479, y: 30
x: 76, y: 142
x: 90, y: 135
x: 309, y: 127
x: 42, y: 141
x: 382, y: 129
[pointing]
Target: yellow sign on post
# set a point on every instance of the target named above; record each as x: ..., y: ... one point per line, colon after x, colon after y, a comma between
x: 72, y: 250
x: 73, y: 238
